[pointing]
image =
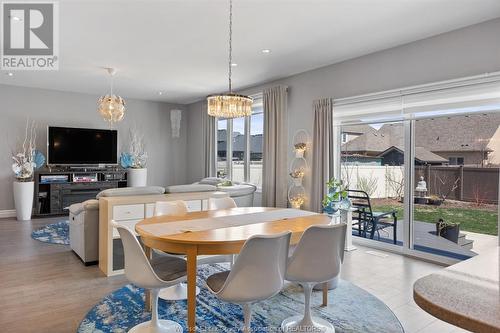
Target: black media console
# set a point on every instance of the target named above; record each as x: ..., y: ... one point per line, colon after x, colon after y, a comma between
x: 58, y: 188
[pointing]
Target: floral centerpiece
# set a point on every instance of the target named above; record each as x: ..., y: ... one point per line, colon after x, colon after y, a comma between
x: 137, y: 156
x: 336, y: 198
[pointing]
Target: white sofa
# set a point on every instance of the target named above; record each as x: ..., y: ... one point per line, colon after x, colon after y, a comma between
x: 84, y: 221
x: 242, y: 193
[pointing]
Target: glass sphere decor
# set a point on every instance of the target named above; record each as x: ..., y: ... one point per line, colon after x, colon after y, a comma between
x: 301, y: 143
x: 298, y: 170
x: 297, y: 196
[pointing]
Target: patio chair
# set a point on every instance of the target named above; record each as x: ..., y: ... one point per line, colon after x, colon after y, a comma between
x: 368, y: 222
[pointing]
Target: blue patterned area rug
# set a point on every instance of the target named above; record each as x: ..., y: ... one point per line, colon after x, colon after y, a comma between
x: 55, y: 233
x: 351, y: 309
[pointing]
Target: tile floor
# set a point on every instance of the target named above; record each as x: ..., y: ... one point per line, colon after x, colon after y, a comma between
x: 390, y: 277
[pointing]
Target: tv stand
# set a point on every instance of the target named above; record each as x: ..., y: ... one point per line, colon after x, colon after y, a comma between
x: 58, y: 188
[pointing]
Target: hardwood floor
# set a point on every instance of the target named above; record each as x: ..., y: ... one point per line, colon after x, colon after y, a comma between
x: 44, y: 287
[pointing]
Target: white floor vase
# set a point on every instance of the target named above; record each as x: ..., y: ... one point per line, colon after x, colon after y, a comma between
x: 137, y: 177
x: 23, y: 199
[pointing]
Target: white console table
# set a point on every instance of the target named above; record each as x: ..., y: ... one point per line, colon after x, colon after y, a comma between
x: 128, y: 210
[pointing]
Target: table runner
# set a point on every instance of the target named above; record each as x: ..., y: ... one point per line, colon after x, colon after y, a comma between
x: 211, y: 223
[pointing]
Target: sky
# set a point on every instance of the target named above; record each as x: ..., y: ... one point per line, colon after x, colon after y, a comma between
x: 256, y: 127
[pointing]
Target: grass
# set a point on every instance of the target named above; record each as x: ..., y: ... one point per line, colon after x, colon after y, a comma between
x: 470, y: 219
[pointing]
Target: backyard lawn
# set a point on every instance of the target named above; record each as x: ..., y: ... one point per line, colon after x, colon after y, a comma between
x: 474, y: 219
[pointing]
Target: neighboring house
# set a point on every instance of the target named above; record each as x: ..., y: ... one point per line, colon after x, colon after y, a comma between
x: 350, y: 133
x: 395, y: 156
x: 361, y: 160
x: 256, y: 144
x: 458, y: 140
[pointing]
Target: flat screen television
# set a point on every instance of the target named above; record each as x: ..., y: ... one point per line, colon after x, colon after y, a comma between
x: 81, y: 146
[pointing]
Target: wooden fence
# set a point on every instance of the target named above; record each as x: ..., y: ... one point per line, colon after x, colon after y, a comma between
x: 474, y: 184
x: 461, y: 183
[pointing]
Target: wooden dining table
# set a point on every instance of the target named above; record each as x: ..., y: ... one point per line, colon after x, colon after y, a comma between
x: 221, y: 232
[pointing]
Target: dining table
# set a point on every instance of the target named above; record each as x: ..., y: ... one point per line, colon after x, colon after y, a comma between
x: 221, y: 232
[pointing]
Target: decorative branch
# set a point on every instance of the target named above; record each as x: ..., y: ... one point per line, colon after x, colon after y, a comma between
x: 24, y: 158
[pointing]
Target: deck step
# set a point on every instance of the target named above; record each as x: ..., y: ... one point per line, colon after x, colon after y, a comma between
x: 464, y: 242
x: 467, y: 244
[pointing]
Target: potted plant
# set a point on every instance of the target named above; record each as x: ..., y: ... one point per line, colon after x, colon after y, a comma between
x: 336, y: 198
x: 450, y: 231
x: 135, y: 161
x: 26, y: 160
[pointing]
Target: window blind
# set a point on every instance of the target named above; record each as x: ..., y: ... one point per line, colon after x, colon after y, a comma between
x: 465, y: 95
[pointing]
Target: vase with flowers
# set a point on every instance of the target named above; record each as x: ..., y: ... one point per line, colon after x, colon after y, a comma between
x: 336, y: 199
x: 135, y: 160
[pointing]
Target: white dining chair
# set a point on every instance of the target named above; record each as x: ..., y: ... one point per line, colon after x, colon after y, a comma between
x: 316, y: 259
x: 257, y: 274
x: 221, y: 203
x: 176, y: 292
x: 161, y: 272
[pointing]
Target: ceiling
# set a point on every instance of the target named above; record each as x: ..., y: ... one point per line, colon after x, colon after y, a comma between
x: 180, y: 47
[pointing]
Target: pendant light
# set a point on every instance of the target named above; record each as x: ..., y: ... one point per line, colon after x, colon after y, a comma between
x: 229, y: 105
x: 111, y: 107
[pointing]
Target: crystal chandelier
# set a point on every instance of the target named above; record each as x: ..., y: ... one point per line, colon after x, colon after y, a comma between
x: 111, y: 107
x: 229, y: 105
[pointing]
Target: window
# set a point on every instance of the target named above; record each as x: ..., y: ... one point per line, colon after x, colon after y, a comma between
x: 241, y: 139
x: 456, y: 160
x: 239, y: 149
x: 222, y: 170
x: 256, y: 146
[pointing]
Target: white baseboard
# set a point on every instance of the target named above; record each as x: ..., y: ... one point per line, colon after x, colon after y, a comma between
x: 7, y: 213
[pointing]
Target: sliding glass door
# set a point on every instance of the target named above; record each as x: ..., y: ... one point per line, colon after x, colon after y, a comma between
x: 425, y: 186
x: 372, y: 167
x: 456, y: 175
x: 428, y: 159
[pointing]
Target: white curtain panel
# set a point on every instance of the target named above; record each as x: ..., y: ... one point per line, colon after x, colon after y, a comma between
x: 274, y: 179
x: 323, y: 151
x: 210, y: 135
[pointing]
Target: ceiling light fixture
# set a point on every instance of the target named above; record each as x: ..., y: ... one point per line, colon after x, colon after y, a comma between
x: 266, y: 51
x: 111, y: 107
x: 229, y: 105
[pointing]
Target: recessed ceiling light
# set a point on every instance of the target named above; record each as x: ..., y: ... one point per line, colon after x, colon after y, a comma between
x: 10, y: 74
x: 234, y: 64
x: 266, y: 51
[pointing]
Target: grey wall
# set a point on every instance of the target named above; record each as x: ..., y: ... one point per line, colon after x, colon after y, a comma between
x: 468, y: 51
x: 167, y: 156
